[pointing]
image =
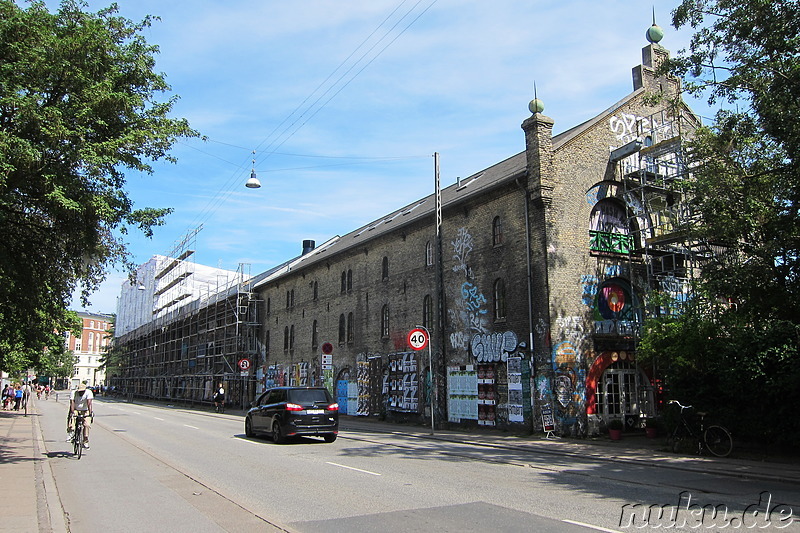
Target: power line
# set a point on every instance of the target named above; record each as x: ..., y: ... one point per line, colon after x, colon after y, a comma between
x: 232, y: 183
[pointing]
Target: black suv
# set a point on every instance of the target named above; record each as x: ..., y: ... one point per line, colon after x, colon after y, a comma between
x: 289, y: 411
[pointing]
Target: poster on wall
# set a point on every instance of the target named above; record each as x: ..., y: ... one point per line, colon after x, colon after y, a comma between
x: 515, y: 409
x: 462, y: 391
x: 487, y: 395
x: 403, y: 382
x: 362, y: 368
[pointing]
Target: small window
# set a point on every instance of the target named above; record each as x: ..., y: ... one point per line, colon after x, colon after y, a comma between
x: 314, y: 335
x: 350, y: 328
x: 349, y: 280
x: 428, y: 254
x: 315, y: 291
x: 499, y: 300
x: 288, y: 301
x: 269, y: 305
x: 385, y: 268
x: 385, y: 322
x: 291, y: 337
x: 286, y: 338
x: 342, y: 329
x: 266, y: 342
x: 497, y: 231
x: 427, y: 312
x: 344, y: 282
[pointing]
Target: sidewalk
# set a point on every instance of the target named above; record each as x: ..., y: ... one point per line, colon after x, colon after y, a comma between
x: 632, y: 449
x: 33, y: 505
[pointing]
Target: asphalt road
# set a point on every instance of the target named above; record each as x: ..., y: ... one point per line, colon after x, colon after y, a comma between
x: 171, y: 469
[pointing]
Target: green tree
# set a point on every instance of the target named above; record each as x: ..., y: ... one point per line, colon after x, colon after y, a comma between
x: 735, y: 349
x: 79, y: 107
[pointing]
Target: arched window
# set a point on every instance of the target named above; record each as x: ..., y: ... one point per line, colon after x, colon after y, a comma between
x: 314, y: 335
x: 608, y: 228
x: 385, y: 322
x: 428, y: 254
x: 344, y: 282
x: 499, y: 299
x: 315, y: 290
x: 342, y: 330
x: 349, y: 280
x: 350, y: 328
x: 286, y: 338
x: 497, y: 231
x: 427, y: 312
x: 385, y: 268
x: 266, y: 342
x: 291, y: 337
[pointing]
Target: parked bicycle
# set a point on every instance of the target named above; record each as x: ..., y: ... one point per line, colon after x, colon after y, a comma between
x: 716, y: 439
x: 78, y: 436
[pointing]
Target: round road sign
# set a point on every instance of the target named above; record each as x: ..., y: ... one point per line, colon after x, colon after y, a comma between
x: 418, y: 339
x: 244, y: 364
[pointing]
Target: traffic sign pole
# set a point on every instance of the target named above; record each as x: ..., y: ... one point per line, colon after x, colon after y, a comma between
x: 418, y: 339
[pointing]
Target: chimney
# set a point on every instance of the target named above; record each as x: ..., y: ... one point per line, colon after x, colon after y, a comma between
x: 308, y: 245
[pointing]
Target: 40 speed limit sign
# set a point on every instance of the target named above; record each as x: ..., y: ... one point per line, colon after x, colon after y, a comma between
x: 418, y: 339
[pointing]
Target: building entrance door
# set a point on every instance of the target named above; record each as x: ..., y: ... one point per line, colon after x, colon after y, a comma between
x: 619, y: 392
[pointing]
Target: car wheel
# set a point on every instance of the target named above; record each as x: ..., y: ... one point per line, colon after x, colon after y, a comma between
x: 248, y: 427
x: 277, y: 434
x: 330, y: 437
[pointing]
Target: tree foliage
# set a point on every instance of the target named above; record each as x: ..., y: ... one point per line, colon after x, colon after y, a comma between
x: 735, y: 349
x: 78, y: 108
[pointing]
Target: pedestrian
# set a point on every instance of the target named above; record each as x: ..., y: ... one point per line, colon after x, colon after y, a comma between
x: 7, y: 395
x: 17, y: 396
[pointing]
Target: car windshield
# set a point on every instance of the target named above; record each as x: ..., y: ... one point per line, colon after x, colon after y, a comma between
x: 308, y: 396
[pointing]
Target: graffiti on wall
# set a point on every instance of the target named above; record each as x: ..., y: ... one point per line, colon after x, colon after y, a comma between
x: 627, y: 127
x: 462, y: 246
x: 493, y: 347
x: 469, y: 314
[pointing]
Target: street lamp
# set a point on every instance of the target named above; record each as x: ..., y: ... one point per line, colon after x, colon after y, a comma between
x: 253, y: 182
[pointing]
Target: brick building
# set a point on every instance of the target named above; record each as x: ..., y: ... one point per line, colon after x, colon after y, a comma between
x: 89, y: 348
x: 531, y: 285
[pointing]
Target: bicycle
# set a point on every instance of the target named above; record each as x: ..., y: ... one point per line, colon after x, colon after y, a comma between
x: 219, y: 406
x: 78, y: 435
x: 716, y: 439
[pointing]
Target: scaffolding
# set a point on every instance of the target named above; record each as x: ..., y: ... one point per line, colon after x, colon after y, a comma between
x: 192, y: 328
x: 665, y: 256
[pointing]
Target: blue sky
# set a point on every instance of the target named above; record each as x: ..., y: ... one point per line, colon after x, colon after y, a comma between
x: 344, y: 103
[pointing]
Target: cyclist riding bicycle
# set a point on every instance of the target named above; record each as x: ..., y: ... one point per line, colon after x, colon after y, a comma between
x: 81, y: 403
x: 219, y: 398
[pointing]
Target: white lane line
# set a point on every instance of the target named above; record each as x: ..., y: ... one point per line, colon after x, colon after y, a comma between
x: 158, y: 418
x: 590, y: 526
x: 188, y: 426
x: 351, y: 468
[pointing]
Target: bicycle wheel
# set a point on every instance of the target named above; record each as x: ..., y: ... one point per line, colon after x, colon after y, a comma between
x: 77, y: 441
x: 718, y: 441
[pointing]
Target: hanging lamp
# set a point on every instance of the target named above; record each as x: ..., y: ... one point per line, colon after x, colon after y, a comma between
x: 252, y: 182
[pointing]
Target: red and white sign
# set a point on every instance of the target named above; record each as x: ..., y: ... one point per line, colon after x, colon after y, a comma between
x: 244, y: 364
x: 418, y: 339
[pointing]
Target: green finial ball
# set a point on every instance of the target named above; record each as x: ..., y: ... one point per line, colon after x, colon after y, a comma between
x: 536, y: 106
x: 654, y: 33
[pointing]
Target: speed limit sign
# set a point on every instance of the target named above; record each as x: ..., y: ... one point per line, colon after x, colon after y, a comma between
x: 418, y: 339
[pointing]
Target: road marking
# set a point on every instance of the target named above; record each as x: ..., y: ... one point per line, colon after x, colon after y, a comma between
x: 351, y: 468
x: 590, y: 526
x: 188, y: 426
x: 158, y: 418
